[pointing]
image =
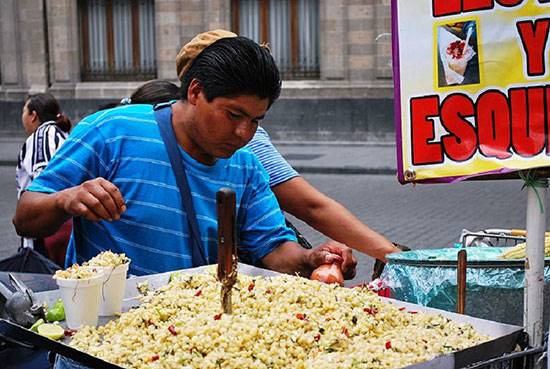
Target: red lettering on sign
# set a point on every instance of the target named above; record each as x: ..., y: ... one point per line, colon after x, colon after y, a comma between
x: 474, y: 5
x: 534, y: 36
x: 509, y: 3
x: 497, y: 125
x: 527, y: 108
x: 422, y: 130
x: 446, y: 7
x: 441, y: 8
x: 461, y: 142
x: 493, y: 124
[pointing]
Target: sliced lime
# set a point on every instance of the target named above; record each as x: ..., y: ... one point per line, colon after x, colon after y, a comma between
x: 52, y: 331
x: 34, y: 327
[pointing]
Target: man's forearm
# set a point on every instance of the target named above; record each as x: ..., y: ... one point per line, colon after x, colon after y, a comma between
x: 289, y: 258
x: 38, y: 215
x: 305, y: 202
x: 344, y: 227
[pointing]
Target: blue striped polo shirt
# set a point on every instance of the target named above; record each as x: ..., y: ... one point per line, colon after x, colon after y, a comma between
x: 124, y: 146
x: 278, y: 169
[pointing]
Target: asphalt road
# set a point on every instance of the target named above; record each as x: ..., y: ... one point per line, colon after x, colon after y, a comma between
x: 427, y: 216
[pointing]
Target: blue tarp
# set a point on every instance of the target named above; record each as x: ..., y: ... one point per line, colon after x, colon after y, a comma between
x: 494, y: 285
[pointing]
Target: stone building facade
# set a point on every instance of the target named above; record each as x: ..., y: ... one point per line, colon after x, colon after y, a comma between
x: 351, y: 99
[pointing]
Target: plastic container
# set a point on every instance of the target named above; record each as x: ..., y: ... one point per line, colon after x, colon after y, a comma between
x: 112, y: 289
x: 81, y: 298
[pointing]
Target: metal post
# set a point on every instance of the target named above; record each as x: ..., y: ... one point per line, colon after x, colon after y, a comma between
x: 534, y: 264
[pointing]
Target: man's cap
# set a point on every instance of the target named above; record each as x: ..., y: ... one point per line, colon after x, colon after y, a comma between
x: 193, y: 48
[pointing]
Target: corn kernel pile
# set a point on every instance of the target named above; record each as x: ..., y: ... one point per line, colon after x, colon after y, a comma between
x: 107, y: 259
x: 278, y: 322
x: 76, y: 272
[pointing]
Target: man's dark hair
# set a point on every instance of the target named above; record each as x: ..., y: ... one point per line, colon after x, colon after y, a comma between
x: 234, y: 66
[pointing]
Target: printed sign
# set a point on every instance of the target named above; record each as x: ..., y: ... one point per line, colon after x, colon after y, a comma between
x: 472, y: 90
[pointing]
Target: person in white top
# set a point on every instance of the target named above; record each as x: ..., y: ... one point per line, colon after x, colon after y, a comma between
x: 47, y: 128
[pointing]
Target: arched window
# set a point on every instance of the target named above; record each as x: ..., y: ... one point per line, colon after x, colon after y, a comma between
x: 290, y: 27
x: 117, y: 40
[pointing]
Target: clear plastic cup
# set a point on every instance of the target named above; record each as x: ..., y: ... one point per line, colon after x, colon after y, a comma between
x: 81, y: 298
x: 112, y: 289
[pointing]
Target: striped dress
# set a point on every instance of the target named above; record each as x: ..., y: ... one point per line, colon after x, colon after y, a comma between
x: 35, y: 154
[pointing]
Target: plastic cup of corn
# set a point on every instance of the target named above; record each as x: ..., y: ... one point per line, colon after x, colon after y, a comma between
x: 80, y: 289
x: 115, y: 269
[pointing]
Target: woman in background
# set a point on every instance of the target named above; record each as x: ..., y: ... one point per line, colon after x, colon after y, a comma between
x: 47, y: 128
x: 152, y: 92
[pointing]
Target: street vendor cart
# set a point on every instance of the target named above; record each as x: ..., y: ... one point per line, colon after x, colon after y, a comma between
x: 503, y: 337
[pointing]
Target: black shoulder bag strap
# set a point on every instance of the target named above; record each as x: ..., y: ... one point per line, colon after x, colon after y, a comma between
x: 163, y: 115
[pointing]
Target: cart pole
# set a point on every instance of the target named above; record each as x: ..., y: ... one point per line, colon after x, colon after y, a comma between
x: 534, y: 263
x: 461, y: 282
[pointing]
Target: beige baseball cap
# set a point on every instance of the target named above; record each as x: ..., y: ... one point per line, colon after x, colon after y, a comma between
x: 193, y: 48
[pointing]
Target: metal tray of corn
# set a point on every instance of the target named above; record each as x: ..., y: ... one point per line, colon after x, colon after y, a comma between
x: 278, y: 321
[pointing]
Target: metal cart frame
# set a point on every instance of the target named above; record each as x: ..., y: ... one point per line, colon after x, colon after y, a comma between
x: 529, y: 357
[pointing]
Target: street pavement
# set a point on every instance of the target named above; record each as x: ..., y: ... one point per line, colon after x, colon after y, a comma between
x: 306, y: 157
x: 362, y: 178
x: 340, y: 157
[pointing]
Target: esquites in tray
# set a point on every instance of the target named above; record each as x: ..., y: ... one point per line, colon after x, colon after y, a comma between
x: 277, y: 322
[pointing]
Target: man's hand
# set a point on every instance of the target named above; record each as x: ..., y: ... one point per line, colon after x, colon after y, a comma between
x: 96, y: 199
x: 331, y: 252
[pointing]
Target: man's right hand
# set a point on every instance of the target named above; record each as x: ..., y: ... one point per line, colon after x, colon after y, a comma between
x: 333, y: 251
x: 96, y: 199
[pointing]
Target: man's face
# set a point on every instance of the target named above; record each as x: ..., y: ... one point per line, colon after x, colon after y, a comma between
x: 224, y: 125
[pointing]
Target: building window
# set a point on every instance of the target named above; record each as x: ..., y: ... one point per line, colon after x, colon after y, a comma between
x: 118, y: 40
x: 290, y: 27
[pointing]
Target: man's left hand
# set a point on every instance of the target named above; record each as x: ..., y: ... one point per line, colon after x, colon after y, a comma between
x: 331, y: 252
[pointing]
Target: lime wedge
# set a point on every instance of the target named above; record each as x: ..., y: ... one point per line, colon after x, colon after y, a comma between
x: 52, y: 331
x: 34, y: 327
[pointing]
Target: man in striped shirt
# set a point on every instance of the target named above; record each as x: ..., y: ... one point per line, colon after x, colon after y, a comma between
x: 114, y: 177
x: 294, y: 194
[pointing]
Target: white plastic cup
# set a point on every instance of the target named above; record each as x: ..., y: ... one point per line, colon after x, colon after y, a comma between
x: 112, y: 289
x: 81, y: 298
